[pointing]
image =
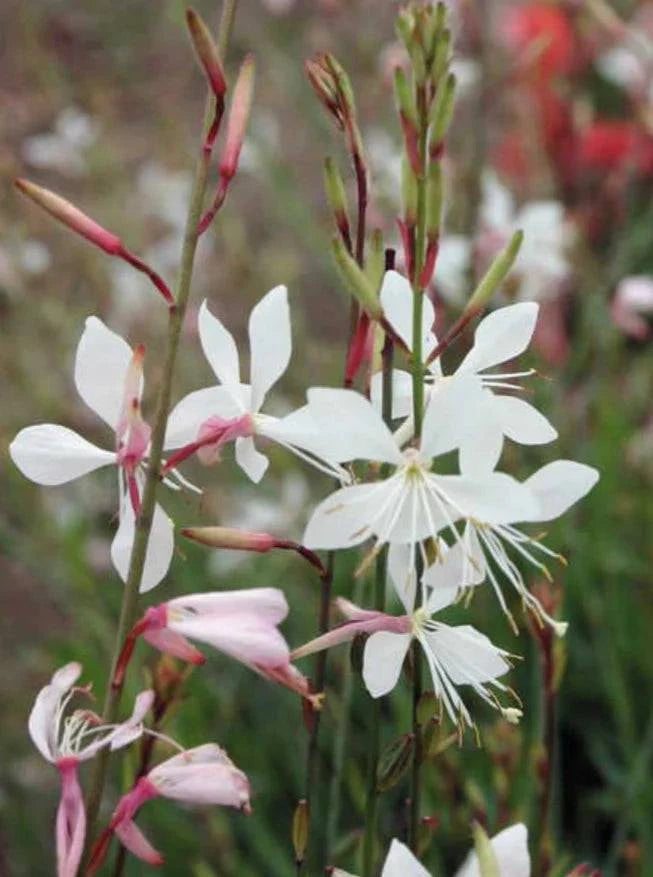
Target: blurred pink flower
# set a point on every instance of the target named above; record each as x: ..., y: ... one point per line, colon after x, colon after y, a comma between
x: 632, y: 303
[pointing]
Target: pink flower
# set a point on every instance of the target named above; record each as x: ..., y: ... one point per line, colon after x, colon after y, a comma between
x: 632, y: 303
x: 203, y: 775
x: 66, y: 743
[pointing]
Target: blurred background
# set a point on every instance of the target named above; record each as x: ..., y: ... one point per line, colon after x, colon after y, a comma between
x: 102, y: 102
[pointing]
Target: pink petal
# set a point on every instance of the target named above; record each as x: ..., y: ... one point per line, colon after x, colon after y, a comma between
x: 269, y: 604
x: 133, y: 839
x: 71, y: 820
x: 202, y: 783
x: 174, y: 644
x: 42, y: 724
x: 244, y: 636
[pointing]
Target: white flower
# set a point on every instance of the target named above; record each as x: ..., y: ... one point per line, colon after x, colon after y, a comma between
x: 510, y: 848
x: 108, y: 377
x: 499, y: 337
x: 209, y: 418
x: 399, y: 862
x: 413, y: 503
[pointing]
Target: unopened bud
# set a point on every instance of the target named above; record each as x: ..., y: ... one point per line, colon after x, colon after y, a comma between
x: 434, y: 199
x: 495, y: 274
x: 405, y: 27
x: 408, y: 192
x: 394, y: 761
x: 227, y: 537
x: 207, y: 53
x: 356, y: 281
x: 300, y: 826
x: 441, y: 55
x: 65, y: 212
x: 336, y: 196
x: 442, y: 113
x: 322, y: 84
x: 241, y: 105
x: 408, y: 119
x: 375, y: 262
x: 342, y: 83
x: 487, y: 860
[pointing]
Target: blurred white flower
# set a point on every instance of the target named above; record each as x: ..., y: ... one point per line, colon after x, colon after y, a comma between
x: 632, y: 303
x: 63, y: 148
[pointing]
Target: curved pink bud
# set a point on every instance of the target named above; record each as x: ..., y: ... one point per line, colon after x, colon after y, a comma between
x: 364, y: 621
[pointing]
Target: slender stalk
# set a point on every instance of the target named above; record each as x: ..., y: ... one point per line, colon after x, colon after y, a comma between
x: 129, y: 606
x: 418, y: 414
x: 548, y: 718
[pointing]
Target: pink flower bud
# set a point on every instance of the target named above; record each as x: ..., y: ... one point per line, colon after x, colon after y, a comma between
x: 228, y: 537
x: 207, y: 53
x: 65, y: 212
x: 238, y: 116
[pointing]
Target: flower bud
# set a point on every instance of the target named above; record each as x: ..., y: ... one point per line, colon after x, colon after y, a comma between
x: 394, y: 761
x: 356, y: 281
x: 207, y: 53
x: 323, y: 87
x: 342, y: 83
x: 375, y: 262
x: 65, y: 212
x: 487, y: 860
x: 495, y: 274
x: 238, y: 117
x: 227, y: 537
x: 441, y: 113
x: 441, y: 55
x: 408, y: 192
x: 300, y: 826
x: 405, y: 28
x: 336, y: 196
x: 408, y: 119
x: 434, y: 199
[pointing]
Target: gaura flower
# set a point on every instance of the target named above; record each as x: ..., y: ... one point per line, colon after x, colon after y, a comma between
x: 499, y: 337
x: 242, y: 624
x: 399, y: 862
x: 413, y: 503
x: 109, y: 378
x: 203, y: 775
x: 455, y: 655
x: 65, y: 742
x: 206, y: 420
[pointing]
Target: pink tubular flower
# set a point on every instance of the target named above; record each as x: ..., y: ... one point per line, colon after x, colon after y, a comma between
x: 67, y: 742
x: 203, y: 775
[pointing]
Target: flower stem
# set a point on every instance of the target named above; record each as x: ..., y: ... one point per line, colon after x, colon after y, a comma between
x: 129, y: 606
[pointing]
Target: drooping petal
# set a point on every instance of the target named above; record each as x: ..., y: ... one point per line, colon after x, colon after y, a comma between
x: 521, y: 422
x: 400, y: 862
x: 50, y: 454
x: 351, y: 426
x: 396, y: 298
x: 160, y: 546
x: 71, y: 821
x: 219, y: 346
x: 383, y: 659
x: 42, y: 723
x: 268, y: 603
x: 252, y: 462
x: 557, y: 486
x: 133, y: 839
x: 450, y: 416
x: 270, y: 342
x: 510, y: 847
x: 207, y: 777
x: 499, y: 337
x: 192, y: 411
x: 101, y: 365
x: 496, y: 498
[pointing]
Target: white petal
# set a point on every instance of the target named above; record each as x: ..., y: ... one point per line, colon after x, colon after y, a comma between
x: 502, y: 335
x: 42, y: 724
x: 496, y: 498
x: 521, y: 422
x: 268, y: 603
x: 402, y: 392
x: 382, y: 660
x: 401, y: 569
x: 299, y: 430
x: 557, y: 486
x: 193, y: 410
x: 450, y: 416
x: 342, y: 520
x: 400, y: 862
x: 481, y: 448
x: 461, y: 566
x: 219, y: 347
x: 50, y: 454
x: 101, y: 366
x: 397, y: 300
x: 351, y: 426
x: 246, y: 636
x: 160, y: 547
x: 467, y: 656
x: 270, y: 342
x: 511, y: 850
x: 253, y: 463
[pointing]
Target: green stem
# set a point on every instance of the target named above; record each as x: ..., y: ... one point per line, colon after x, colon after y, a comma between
x: 129, y: 606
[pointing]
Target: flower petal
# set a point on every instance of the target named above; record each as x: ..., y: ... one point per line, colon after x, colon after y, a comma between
x: 133, y: 839
x: 71, y: 823
x: 511, y: 850
x: 351, y: 426
x: 557, y: 486
x: 342, y: 520
x: 268, y: 603
x: 402, y: 572
x: 42, y: 722
x: 402, y: 392
x: 481, y: 447
x: 242, y: 635
x: 193, y: 410
x: 160, y: 546
x: 219, y: 346
x: 383, y: 659
x: 496, y: 498
x: 499, y: 337
x: 101, y: 366
x: 270, y: 342
x: 396, y: 298
x: 50, y: 454
x: 461, y: 566
x: 252, y: 462
x: 400, y: 862
x: 450, y: 416
x: 521, y: 422
x: 467, y: 656
x: 203, y: 784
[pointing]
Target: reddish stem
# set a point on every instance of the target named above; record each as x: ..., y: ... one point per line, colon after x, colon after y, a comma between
x: 137, y: 263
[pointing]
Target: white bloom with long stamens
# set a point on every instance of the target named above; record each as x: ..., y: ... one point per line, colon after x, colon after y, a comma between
x: 108, y: 377
x: 232, y: 410
x: 500, y: 337
x: 413, y: 503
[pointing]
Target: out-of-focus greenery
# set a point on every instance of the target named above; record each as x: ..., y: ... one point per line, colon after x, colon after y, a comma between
x: 129, y: 67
